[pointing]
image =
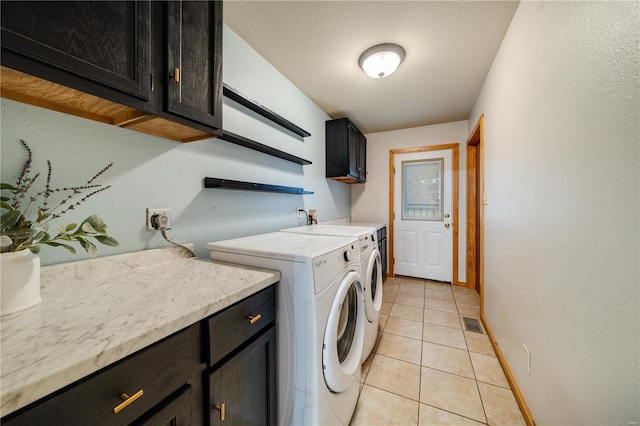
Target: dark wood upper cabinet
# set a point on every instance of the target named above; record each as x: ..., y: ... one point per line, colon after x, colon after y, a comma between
x: 346, y: 152
x: 150, y: 66
x: 194, y: 61
x: 102, y: 48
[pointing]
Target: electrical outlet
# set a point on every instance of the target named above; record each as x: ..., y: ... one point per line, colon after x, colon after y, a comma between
x: 526, y: 358
x: 157, y: 218
x: 299, y: 211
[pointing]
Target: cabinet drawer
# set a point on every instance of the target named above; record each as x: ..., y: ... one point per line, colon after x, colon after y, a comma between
x: 230, y: 328
x: 158, y: 371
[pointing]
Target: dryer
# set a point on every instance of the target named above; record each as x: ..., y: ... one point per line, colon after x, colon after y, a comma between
x: 371, y: 263
x: 319, y: 321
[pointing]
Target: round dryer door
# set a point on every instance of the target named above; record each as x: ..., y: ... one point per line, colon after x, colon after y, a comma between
x: 344, y: 335
x: 373, y: 292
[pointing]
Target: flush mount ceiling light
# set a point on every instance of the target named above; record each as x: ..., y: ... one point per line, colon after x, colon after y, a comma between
x: 381, y: 60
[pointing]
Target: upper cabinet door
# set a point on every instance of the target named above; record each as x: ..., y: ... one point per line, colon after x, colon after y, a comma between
x: 91, y: 46
x: 362, y: 157
x: 194, y: 61
x: 346, y: 151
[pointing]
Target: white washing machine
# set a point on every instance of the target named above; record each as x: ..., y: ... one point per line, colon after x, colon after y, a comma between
x: 319, y: 321
x: 371, y: 263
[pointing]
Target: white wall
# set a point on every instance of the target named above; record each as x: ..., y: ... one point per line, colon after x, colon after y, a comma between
x: 370, y: 201
x: 562, y: 106
x: 155, y: 172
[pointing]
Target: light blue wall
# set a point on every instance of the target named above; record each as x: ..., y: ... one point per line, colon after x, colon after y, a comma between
x: 155, y: 172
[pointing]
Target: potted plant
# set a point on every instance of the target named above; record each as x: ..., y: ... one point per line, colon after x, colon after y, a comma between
x: 25, y: 226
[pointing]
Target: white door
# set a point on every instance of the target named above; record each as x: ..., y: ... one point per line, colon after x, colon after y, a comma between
x: 423, y: 231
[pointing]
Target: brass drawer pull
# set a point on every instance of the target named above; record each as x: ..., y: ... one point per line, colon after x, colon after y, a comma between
x: 253, y: 319
x: 220, y: 408
x: 126, y: 400
x: 176, y: 75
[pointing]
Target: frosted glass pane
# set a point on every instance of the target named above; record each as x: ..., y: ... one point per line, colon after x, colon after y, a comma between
x: 422, y: 189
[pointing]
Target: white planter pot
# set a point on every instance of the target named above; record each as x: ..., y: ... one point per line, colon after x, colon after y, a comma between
x: 20, y: 281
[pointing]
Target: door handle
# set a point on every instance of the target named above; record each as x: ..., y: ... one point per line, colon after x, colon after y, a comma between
x: 447, y: 225
x: 222, y: 409
x: 126, y: 400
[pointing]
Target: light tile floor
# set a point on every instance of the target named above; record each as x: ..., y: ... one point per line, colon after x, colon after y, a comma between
x: 426, y: 369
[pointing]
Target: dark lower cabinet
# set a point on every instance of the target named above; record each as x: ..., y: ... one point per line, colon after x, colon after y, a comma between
x: 176, y: 381
x: 147, y: 378
x: 242, y: 391
x: 175, y: 411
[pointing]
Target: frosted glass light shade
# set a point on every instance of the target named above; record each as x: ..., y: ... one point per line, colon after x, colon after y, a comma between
x: 382, y: 60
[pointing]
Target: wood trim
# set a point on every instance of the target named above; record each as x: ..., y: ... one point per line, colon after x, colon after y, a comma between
x: 475, y: 210
x: 472, y: 215
x: 461, y: 284
x: 526, y: 413
x: 455, y: 201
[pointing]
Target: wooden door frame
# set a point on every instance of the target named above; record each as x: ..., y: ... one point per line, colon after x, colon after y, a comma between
x: 475, y: 210
x: 455, y: 191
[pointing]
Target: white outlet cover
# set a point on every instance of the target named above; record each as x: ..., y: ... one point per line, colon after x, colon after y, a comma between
x: 151, y: 212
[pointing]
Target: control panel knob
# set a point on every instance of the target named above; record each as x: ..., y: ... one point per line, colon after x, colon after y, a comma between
x: 346, y: 255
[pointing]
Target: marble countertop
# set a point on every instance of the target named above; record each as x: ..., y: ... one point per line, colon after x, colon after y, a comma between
x: 98, y: 311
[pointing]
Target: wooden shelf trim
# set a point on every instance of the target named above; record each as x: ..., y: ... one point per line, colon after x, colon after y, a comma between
x: 257, y: 146
x: 234, y: 95
x: 217, y: 183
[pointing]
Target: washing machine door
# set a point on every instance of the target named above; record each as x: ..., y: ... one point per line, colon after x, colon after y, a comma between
x: 373, y: 289
x: 344, y: 334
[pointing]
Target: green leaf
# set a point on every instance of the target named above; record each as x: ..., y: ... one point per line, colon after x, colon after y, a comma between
x: 96, y: 223
x: 5, y: 241
x: 21, y: 233
x: 66, y: 246
x: 107, y: 240
x: 41, y: 237
x: 86, y: 227
x: 35, y: 249
x: 6, y: 205
x: 9, y: 219
x: 70, y: 227
x: 42, y: 215
x: 8, y: 187
x: 88, y: 246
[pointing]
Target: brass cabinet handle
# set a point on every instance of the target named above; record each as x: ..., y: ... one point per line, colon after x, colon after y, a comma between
x: 126, y: 400
x: 176, y: 75
x: 253, y: 319
x: 221, y: 408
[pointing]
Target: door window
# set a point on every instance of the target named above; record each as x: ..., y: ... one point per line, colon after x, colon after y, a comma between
x: 422, y: 189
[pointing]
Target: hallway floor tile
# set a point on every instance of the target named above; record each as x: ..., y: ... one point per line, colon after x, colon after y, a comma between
x: 426, y: 369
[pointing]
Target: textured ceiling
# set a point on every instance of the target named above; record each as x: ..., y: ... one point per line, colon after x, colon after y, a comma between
x: 316, y: 44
